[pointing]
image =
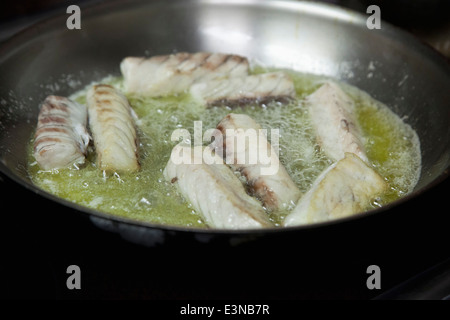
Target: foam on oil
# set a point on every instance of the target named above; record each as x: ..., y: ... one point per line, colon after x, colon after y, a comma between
x: 392, y: 147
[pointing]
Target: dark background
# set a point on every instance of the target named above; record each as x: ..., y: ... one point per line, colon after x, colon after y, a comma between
x: 39, y: 239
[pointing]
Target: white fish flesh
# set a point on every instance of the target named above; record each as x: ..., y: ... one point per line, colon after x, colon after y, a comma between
x: 256, y: 160
x: 113, y: 129
x: 214, y: 191
x: 61, y: 137
x: 332, y: 113
x: 261, y: 88
x: 175, y: 73
x: 343, y: 189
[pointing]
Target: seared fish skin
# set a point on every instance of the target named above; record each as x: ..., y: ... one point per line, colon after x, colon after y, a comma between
x: 275, y: 188
x: 332, y: 114
x: 113, y: 129
x: 343, y: 189
x: 61, y: 137
x: 214, y: 191
x: 261, y: 88
x: 175, y: 73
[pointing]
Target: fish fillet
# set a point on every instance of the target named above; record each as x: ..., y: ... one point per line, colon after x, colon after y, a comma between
x: 345, y: 188
x: 113, y: 129
x: 257, y: 160
x: 261, y: 88
x: 175, y: 73
x: 61, y: 137
x: 332, y: 113
x: 214, y: 191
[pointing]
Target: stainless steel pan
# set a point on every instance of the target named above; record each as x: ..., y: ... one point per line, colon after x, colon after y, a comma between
x: 389, y: 64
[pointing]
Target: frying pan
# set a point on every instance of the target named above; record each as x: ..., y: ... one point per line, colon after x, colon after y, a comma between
x: 408, y: 76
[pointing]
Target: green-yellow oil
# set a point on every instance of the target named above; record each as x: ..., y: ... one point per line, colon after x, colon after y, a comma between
x: 392, y: 147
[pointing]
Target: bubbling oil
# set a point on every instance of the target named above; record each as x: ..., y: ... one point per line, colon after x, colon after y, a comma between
x: 392, y: 147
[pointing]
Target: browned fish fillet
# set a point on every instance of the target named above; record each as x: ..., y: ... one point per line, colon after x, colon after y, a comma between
x: 113, y: 129
x: 214, y: 191
x: 61, y: 137
x: 175, y: 73
x: 260, y: 88
x: 343, y: 189
x: 333, y: 116
x: 245, y: 148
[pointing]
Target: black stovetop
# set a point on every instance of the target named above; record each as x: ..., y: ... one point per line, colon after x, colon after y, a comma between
x: 39, y: 242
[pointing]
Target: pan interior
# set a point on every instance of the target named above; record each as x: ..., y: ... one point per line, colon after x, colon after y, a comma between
x: 145, y: 195
x: 319, y: 39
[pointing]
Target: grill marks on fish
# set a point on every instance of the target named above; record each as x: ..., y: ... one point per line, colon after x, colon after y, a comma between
x: 214, y: 191
x: 261, y: 88
x: 345, y: 188
x: 175, y: 73
x: 256, y: 160
x: 61, y: 137
x: 333, y: 117
x: 112, y: 125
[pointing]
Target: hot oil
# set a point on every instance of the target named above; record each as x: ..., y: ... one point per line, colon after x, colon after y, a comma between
x: 392, y: 147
